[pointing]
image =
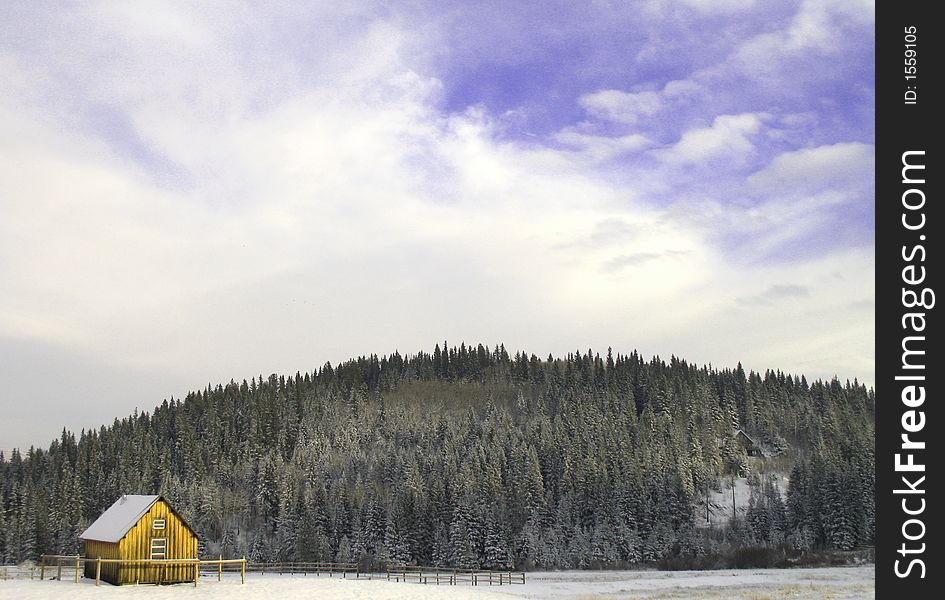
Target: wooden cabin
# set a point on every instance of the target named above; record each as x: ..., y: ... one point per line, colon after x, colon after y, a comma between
x: 144, y: 528
x: 749, y: 445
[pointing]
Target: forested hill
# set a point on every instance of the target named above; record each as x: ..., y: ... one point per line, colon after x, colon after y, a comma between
x: 469, y: 457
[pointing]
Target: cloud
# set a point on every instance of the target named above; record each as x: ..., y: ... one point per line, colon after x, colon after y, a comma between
x: 843, y: 166
x: 815, y: 28
x: 622, y: 107
x: 801, y: 203
x: 598, y: 147
x: 728, y: 138
x: 810, y: 200
x: 681, y: 88
x: 631, y: 260
x: 774, y: 294
x: 816, y: 23
x: 723, y: 6
x: 611, y: 231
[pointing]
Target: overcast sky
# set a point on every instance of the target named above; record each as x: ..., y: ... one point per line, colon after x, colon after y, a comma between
x: 193, y: 195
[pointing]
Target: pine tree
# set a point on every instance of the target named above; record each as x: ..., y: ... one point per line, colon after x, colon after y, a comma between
x: 604, y: 550
x: 3, y: 524
x: 495, y: 554
x: 26, y: 524
x: 395, y: 548
x: 463, y: 534
x: 345, y: 553
x: 287, y: 535
x: 757, y: 515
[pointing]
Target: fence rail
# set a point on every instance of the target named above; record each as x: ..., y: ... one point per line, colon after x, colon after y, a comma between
x: 20, y: 571
x: 304, y: 568
x: 76, y: 562
x: 59, y: 562
x: 73, y: 565
x: 444, y: 576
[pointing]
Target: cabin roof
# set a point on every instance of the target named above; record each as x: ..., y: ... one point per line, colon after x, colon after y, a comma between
x: 119, y: 518
x: 740, y: 433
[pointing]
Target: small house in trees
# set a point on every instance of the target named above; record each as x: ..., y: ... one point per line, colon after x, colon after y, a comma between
x: 748, y: 444
x: 140, y: 528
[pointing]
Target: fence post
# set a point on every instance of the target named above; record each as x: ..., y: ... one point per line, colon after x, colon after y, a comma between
x: 220, y: 569
x: 98, y: 570
x: 58, y: 569
x: 77, y: 568
x: 42, y: 568
x: 243, y: 571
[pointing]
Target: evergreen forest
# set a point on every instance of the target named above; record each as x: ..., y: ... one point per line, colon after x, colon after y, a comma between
x: 470, y: 456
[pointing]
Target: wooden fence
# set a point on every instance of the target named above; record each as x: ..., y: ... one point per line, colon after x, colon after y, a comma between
x: 436, y: 575
x: 54, y: 566
x: 20, y: 571
x: 304, y: 568
x: 56, y: 563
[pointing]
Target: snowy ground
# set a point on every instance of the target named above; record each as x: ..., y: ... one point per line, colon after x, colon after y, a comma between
x: 720, y: 501
x: 842, y: 583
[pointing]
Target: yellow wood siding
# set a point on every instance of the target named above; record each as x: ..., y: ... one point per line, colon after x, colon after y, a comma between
x: 95, y: 549
x: 181, y: 543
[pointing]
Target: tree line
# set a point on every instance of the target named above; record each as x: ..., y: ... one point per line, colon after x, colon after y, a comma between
x: 468, y: 456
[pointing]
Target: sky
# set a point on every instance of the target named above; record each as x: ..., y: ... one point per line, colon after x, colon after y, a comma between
x: 197, y: 192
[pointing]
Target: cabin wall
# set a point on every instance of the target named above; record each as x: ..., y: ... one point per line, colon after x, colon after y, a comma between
x: 94, y: 549
x: 181, y: 543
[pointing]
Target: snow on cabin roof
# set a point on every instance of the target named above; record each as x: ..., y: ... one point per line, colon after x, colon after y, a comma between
x: 739, y: 432
x: 119, y: 518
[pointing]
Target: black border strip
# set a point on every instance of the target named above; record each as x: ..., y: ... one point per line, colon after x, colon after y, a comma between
x: 905, y: 113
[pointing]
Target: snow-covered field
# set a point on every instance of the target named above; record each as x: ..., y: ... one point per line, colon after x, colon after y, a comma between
x: 842, y: 583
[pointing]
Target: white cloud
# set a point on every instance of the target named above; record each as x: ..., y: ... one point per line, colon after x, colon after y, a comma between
x: 776, y: 293
x: 727, y: 138
x: 707, y: 8
x: 845, y: 166
x: 837, y: 324
x: 598, y: 147
x: 723, y: 6
x: 817, y: 22
x: 682, y: 88
x: 619, y: 106
x: 817, y: 27
x: 630, y: 107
